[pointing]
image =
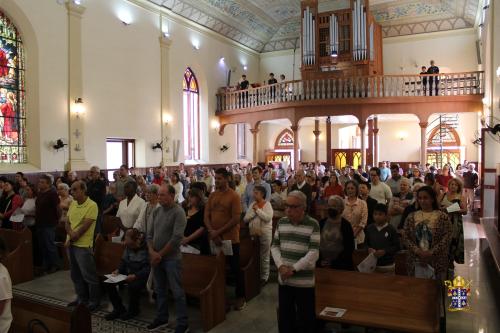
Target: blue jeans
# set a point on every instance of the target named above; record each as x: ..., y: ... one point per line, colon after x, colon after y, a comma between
x: 84, y: 275
x: 48, y: 251
x: 169, y: 272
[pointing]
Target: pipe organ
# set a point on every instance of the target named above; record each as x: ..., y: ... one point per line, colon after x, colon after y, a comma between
x: 341, y: 42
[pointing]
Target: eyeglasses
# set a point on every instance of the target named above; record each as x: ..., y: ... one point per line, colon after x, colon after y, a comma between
x: 292, y: 206
x: 373, y: 175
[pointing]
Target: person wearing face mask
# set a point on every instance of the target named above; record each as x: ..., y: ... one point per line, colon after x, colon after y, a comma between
x: 337, y: 238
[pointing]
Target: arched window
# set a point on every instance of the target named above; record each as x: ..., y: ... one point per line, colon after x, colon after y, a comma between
x: 191, y: 112
x: 444, y: 146
x: 12, y: 94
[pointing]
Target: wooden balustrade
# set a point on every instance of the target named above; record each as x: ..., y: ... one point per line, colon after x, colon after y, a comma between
x: 380, y: 86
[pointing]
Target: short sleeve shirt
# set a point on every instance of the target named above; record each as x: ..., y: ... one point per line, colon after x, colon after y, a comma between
x: 76, y: 214
x: 5, y: 295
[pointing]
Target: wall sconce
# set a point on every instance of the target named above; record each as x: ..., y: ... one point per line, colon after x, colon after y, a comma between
x: 196, y: 45
x: 78, y: 108
x: 167, y: 119
x: 216, y: 126
x: 245, y: 68
x: 125, y: 17
x: 498, y: 72
x: 402, y: 135
x: 221, y: 61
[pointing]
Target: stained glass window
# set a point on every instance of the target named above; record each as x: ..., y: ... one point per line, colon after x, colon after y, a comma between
x: 12, y: 94
x: 191, y: 114
x: 284, y: 140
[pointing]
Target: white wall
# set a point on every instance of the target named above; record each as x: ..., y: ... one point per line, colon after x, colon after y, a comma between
x: 280, y: 62
x: 453, y: 51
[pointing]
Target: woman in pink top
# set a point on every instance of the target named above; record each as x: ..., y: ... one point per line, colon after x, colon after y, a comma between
x: 355, y: 211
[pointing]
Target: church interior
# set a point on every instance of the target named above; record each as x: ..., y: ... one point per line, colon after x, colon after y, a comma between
x: 185, y: 87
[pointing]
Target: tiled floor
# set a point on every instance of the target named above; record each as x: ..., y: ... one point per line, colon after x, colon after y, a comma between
x: 260, y: 314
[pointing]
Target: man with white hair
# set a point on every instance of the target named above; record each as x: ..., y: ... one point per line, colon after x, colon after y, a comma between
x: 302, y: 186
x: 471, y: 182
x: 295, y: 250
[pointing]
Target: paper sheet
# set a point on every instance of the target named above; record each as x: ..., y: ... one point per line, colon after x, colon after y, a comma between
x: 226, y: 248
x: 189, y: 249
x: 455, y: 207
x: 368, y: 265
x: 115, y: 278
x: 17, y: 218
x: 332, y: 312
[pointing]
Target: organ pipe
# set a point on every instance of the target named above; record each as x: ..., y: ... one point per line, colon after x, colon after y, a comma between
x: 359, y: 51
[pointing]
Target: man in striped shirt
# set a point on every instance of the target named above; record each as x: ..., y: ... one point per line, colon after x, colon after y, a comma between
x: 295, y: 250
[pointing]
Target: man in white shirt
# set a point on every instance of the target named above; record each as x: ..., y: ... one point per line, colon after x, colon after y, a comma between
x: 379, y: 190
x: 130, y: 207
x: 208, y: 180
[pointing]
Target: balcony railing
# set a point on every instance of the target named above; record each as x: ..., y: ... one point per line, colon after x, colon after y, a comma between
x: 359, y: 87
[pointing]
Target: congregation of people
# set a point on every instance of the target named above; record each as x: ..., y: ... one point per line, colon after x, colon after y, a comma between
x: 316, y: 216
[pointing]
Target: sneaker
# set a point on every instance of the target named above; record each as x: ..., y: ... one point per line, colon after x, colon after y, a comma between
x: 115, y: 314
x: 239, y: 304
x: 156, y: 324
x: 182, y: 329
x: 129, y: 315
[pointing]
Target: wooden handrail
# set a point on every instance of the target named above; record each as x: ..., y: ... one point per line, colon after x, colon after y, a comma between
x: 376, y: 86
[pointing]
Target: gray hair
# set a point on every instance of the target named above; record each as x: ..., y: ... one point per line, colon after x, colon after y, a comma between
x: 337, y: 201
x: 95, y: 168
x: 406, y: 180
x: 299, y: 195
x: 153, y: 188
x: 64, y: 186
x: 417, y: 186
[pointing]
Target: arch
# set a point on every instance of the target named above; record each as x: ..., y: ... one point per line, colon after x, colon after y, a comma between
x: 12, y: 94
x: 448, y: 134
x: 191, y: 114
x: 284, y: 140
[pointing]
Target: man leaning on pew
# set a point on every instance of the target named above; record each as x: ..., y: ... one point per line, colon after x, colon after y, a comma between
x: 295, y: 250
x: 164, y: 239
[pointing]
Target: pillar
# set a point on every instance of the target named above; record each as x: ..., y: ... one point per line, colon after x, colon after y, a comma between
x: 295, y: 130
x: 423, y: 143
x: 76, y: 124
x: 255, y: 157
x: 363, y: 148
x: 375, y: 142
x: 166, y: 118
x: 370, y: 142
x: 316, y: 133
x: 328, y: 141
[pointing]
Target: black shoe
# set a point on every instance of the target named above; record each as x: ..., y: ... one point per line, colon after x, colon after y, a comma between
x: 182, y: 329
x: 156, y: 324
x: 115, y: 314
x: 73, y: 303
x: 129, y: 315
x: 93, y: 307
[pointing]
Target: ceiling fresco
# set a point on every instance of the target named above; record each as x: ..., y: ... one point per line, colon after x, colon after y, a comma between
x: 273, y: 25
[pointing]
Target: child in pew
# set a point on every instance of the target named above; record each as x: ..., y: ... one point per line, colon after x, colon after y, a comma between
x: 134, y: 264
x: 382, y: 240
x: 5, y: 292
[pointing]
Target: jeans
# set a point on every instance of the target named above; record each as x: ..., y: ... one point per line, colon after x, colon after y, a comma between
x: 265, y: 252
x: 169, y: 272
x: 84, y: 275
x: 296, y: 312
x: 46, y: 236
x: 234, y: 263
x: 134, y: 295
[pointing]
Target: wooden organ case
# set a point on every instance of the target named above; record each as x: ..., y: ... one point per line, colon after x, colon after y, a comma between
x: 340, y: 43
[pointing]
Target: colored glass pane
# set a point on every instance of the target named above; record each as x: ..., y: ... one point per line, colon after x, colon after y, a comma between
x: 12, y: 95
x: 189, y: 83
x: 191, y: 114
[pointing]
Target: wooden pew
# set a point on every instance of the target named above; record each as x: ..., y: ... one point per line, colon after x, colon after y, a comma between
x: 399, y: 303
x: 249, y: 264
x: 107, y: 255
x: 57, y: 319
x: 19, y: 261
x: 399, y: 259
x: 110, y: 226
x: 204, y: 277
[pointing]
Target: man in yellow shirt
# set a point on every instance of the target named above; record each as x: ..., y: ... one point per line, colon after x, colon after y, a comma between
x: 82, y: 215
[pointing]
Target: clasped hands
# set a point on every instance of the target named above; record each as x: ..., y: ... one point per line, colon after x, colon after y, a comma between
x: 376, y: 253
x: 130, y: 277
x: 285, y: 272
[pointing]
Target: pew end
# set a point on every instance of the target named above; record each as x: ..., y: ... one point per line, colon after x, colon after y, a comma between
x: 250, y: 264
x: 20, y: 247
x: 110, y: 226
x: 107, y: 255
x: 203, y: 277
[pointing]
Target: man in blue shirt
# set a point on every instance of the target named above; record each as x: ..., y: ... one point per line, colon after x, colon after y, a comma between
x: 385, y: 172
x: 257, y: 180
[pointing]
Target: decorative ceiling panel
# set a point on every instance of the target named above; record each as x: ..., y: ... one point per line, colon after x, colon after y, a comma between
x: 272, y: 25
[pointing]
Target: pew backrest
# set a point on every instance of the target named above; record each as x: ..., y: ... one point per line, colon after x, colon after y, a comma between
x: 110, y: 225
x: 20, y: 247
x: 107, y: 255
x: 201, y: 272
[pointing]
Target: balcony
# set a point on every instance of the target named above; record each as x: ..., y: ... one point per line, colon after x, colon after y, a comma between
x: 360, y: 96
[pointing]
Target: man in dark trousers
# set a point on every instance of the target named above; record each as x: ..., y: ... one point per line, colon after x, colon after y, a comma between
x: 272, y: 80
x: 423, y: 74
x: 243, y: 85
x: 302, y: 186
x: 433, y: 79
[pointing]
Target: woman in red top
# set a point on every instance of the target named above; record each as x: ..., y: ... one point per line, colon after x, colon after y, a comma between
x: 9, y: 202
x: 333, y: 188
x: 444, y: 178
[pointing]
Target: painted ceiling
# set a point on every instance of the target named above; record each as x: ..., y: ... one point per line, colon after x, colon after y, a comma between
x: 272, y: 25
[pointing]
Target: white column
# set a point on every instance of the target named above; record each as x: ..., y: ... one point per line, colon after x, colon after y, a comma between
x: 423, y: 143
x: 75, y: 89
x: 166, y: 117
x: 363, y: 148
x: 255, y: 158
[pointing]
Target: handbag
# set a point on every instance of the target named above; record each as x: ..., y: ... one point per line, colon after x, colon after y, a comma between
x: 39, y: 325
x: 255, y: 227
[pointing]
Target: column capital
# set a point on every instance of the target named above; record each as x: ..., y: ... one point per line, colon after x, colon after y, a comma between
x: 316, y: 133
x: 74, y: 9
x: 423, y: 124
x: 294, y: 128
x: 328, y: 120
x: 375, y: 130
x: 254, y: 131
x: 362, y: 126
x: 165, y: 41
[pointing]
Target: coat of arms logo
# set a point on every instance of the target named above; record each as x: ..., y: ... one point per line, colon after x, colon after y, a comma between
x: 458, y: 290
